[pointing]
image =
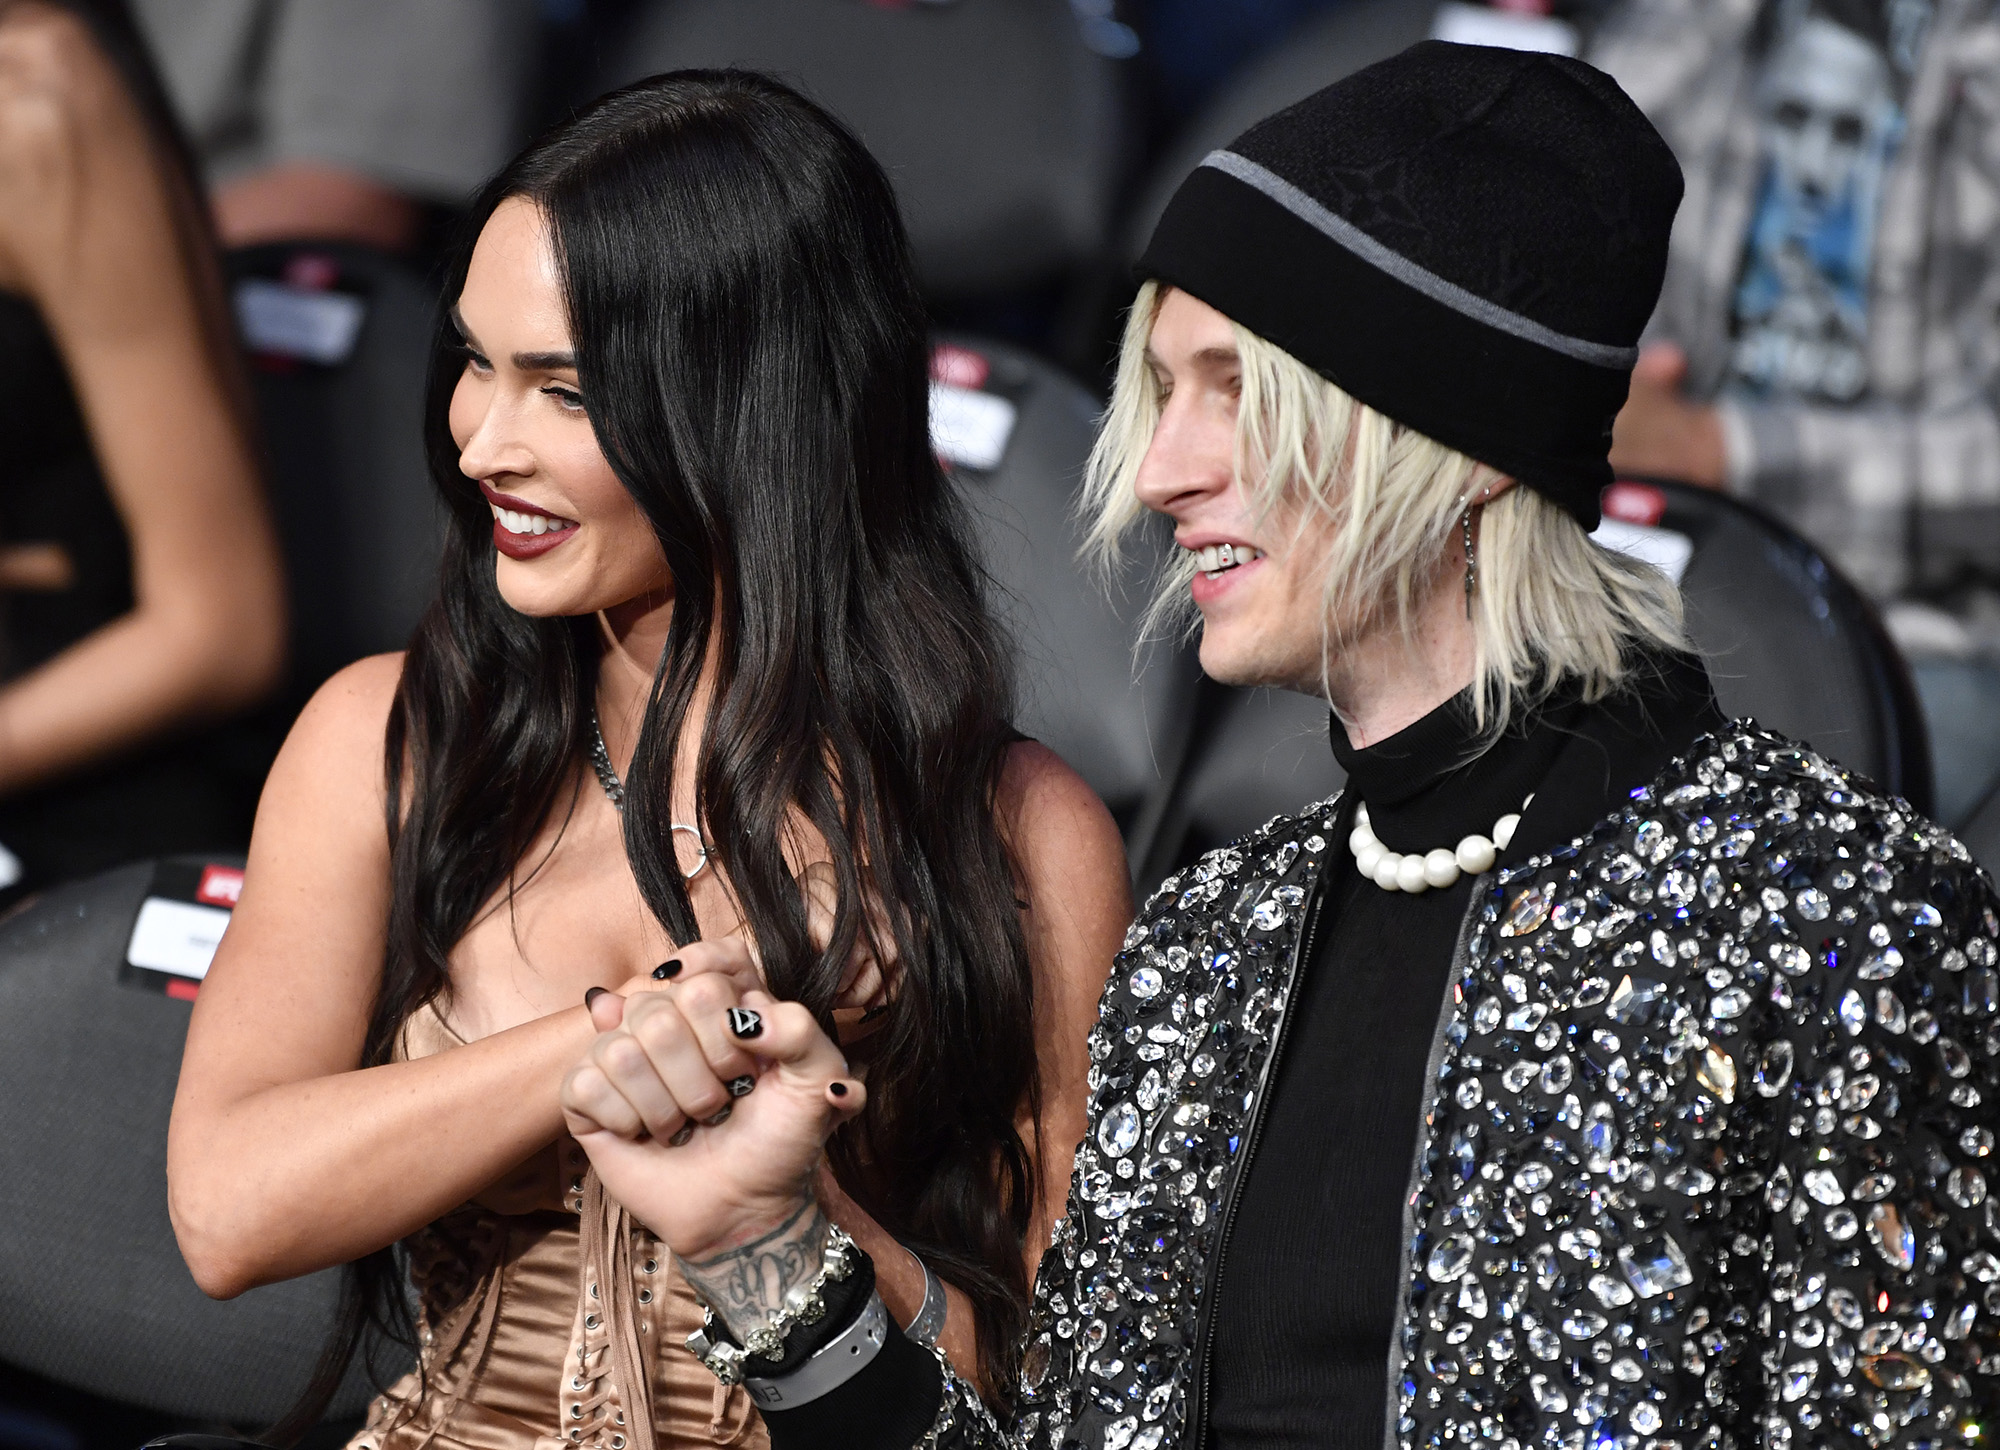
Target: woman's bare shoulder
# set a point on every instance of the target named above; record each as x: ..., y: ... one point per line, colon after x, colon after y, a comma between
x: 336, y: 743
x: 1065, y: 843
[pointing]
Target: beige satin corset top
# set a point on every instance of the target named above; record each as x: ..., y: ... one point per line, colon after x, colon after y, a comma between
x: 549, y: 1320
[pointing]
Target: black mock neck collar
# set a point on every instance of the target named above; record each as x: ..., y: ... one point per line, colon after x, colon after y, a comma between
x: 1437, y: 780
x: 1431, y: 784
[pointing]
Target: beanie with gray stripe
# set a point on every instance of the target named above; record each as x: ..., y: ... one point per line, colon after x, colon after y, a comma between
x: 1468, y: 240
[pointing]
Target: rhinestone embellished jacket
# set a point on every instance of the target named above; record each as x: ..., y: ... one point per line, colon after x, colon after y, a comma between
x: 1705, y: 1161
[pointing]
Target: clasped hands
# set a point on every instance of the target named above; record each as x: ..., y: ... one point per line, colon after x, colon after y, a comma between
x: 705, y: 1103
x: 705, y: 1106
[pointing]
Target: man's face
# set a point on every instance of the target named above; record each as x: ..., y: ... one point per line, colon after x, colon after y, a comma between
x: 1827, y: 95
x: 1262, y: 620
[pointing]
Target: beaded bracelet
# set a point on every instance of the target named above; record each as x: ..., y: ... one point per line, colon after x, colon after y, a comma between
x: 804, y: 1304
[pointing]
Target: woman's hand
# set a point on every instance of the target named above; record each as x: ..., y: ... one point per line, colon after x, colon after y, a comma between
x: 705, y: 1108
x: 69, y: 139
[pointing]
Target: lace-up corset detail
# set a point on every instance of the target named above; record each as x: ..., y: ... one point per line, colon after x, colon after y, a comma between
x: 550, y: 1320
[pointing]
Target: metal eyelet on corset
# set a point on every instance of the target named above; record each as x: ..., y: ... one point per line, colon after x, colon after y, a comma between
x: 593, y: 1291
x: 576, y: 1412
x: 645, y: 1296
x: 617, y: 1442
x: 578, y: 1384
x: 651, y: 1266
x: 590, y: 1321
x: 621, y: 1417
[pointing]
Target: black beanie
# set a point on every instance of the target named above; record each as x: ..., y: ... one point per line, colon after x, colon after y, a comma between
x: 1468, y: 240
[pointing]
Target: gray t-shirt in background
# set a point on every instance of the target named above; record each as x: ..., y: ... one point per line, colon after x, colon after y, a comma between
x: 425, y: 96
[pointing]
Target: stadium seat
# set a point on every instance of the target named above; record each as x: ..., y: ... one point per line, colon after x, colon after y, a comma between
x: 340, y: 339
x: 1016, y: 431
x: 93, y: 1291
x: 1788, y: 640
x: 1002, y: 130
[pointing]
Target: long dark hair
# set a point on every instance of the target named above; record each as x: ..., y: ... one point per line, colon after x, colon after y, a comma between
x: 753, y: 353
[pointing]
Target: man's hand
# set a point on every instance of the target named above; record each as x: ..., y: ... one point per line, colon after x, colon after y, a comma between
x: 705, y: 1108
x: 1659, y: 433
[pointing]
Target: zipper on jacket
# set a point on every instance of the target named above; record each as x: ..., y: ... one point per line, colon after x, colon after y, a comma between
x: 1197, y: 1418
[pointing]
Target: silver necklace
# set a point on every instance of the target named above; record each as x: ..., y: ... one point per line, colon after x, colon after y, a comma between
x: 600, y: 761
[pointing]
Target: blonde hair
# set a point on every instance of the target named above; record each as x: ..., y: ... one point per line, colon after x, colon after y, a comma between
x: 1550, y: 605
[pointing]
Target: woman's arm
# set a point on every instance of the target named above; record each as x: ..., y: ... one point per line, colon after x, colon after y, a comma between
x: 1079, y: 894
x: 284, y: 1158
x: 1073, y: 877
x: 87, y: 232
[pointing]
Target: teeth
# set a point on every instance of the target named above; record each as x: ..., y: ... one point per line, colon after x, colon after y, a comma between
x: 516, y: 522
x: 1218, y: 558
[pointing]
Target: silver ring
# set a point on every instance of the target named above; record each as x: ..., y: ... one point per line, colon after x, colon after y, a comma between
x: 700, y: 846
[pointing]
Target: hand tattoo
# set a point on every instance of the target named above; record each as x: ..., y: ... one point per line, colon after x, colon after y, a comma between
x: 747, y: 1285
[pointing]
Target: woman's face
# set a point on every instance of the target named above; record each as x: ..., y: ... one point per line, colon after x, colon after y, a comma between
x: 570, y: 539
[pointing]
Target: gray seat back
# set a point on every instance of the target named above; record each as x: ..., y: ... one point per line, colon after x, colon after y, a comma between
x: 357, y: 514
x: 1001, y: 130
x: 1081, y: 691
x: 93, y: 1290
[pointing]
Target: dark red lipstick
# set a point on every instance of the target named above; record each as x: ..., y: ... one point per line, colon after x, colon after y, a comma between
x: 526, y: 546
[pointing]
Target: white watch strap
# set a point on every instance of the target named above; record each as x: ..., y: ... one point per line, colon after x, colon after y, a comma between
x: 830, y: 1367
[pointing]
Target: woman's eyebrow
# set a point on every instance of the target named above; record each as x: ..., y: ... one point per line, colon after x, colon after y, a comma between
x: 527, y: 362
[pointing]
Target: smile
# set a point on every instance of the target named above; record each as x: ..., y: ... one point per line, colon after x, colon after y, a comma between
x: 522, y: 530
x: 1215, y: 560
x: 515, y: 521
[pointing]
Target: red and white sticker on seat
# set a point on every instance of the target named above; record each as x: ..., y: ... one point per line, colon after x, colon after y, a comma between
x: 180, y: 925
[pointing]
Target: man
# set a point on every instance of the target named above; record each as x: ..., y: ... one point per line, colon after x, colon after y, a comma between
x: 1826, y: 344
x: 1593, y: 1071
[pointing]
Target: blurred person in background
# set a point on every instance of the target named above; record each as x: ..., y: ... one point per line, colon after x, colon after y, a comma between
x: 344, y: 120
x: 709, y: 663
x: 1828, y: 340
x: 139, y: 578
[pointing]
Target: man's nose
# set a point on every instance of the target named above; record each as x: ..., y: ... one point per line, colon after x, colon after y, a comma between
x: 1187, y: 459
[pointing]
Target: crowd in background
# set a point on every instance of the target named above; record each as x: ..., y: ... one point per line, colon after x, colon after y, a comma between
x: 175, y: 175
x: 1826, y: 346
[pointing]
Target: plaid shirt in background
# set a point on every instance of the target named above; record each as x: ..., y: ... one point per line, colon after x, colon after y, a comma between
x: 1903, y: 487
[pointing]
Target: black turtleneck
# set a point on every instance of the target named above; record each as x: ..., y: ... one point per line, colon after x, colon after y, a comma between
x: 1307, y: 1286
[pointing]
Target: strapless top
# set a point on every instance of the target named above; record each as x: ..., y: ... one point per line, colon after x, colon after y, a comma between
x: 549, y: 1319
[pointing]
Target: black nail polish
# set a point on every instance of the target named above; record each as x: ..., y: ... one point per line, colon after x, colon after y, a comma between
x: 592, y: 995
x: 667, y: 969
x: 744, y: 1022
x: 680, y: 1135
x: 740, y: 1086
x: 719, y: 1119
x: 838, y: 1089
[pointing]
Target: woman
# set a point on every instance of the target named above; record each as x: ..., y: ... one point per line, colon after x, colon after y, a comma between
x: 138, y: 571
x: 708, y: 661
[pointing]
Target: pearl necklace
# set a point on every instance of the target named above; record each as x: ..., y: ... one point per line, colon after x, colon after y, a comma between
x: 1419, y: 871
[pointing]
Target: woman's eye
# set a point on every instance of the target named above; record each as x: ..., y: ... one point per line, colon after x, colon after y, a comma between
x: 570, y: 398
x: 475, y: 360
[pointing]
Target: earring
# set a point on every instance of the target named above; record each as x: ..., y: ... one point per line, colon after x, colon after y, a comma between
x: 1471, y: 562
